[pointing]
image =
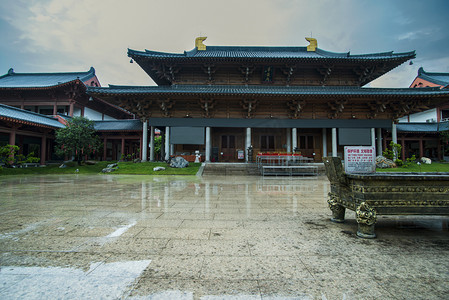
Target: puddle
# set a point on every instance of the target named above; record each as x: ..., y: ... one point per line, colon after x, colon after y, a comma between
x: 101, y: 281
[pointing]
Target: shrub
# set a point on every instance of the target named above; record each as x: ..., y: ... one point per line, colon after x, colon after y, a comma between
x: 393, y: 152
x: 7, y: 153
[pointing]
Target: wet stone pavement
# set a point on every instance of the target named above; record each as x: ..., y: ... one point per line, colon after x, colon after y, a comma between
x: 143, y: 237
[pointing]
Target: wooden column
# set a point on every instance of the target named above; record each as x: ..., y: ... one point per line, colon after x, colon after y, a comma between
x: 122, y: 149
x: 55, y: 109
x: 12, y: 135
x: 43, y: 149
x: 403, y: 148
x: 105, y: 148
x: 421, y: 147
x: 71, y: 109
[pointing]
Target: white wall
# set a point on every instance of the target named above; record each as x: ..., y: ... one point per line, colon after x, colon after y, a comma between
x: 421, y: 117
x: 95, y: 115
x: 76, y: 112
x: 108, y: 118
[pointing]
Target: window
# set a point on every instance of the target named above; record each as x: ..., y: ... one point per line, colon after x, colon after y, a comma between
x: 445, y: 114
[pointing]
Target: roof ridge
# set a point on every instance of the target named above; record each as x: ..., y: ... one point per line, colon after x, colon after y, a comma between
x: 274, y: 49
x: 11, y: 73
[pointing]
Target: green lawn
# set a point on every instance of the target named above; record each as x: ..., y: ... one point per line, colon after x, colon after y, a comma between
x: 434, y: 167
x: 145, y: 168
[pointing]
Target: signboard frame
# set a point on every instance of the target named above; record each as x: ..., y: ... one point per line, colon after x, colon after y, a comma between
x: 360, y: 159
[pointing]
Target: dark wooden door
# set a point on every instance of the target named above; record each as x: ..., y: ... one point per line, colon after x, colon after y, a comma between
x: 228, y: 147
x: 267, y: 143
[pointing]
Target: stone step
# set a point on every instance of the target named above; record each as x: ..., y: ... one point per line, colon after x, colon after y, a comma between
x: 230, y: 169
x: 240, y: 169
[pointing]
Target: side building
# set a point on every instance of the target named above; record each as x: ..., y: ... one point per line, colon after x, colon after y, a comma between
x: 419, y: 133
x: 225, y: 100
x: 33, y: 105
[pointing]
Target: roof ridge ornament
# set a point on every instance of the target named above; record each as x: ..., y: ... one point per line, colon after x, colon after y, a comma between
x: 313, y: 44
x: 199, y: 43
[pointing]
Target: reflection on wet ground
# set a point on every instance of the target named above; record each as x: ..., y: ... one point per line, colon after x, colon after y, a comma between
x: 143, y: 237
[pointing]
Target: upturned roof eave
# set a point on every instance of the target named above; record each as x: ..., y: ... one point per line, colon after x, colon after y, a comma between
x: 433, y: 79
x: 61, y: 85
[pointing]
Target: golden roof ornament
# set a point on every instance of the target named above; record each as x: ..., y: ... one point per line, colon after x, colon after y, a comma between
x: 199, y: 43
x: 313, y: 44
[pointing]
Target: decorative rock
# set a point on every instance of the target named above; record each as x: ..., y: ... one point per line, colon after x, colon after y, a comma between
x: 62, y: 166
x: 109, y: 170
x: 110, y: 166
x: 426, y: 160
x: 136, y: 161
x: 91, y: 162
x: 179, y: 162
x: 384, y: 163
x: 158, y: 168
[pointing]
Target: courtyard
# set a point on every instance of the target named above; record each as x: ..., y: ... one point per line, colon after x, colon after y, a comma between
x: 216, y: 237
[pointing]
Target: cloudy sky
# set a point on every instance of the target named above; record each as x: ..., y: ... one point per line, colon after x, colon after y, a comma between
x: 73, y: 35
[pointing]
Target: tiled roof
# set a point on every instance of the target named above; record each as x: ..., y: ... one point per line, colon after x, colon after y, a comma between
x: 118, y: 125
x: 437, y: 78
x: 262, y: 90
x: 28, y: 117
x: 267, y: 52
x: 422, y: 127
x: 23, y: 116
x: 41, y: 80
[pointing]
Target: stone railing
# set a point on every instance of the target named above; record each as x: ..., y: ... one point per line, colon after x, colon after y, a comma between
x: 375, y: 194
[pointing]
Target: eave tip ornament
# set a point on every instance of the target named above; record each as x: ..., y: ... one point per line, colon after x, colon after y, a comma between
x: 313, y: 44
x: 199, y: 43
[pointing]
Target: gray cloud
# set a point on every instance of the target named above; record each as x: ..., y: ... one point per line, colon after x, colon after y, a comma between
x: 72, y: 35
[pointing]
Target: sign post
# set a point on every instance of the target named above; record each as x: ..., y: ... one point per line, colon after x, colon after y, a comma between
x: 360, y: 159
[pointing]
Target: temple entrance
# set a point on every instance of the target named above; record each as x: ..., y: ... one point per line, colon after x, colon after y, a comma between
x: 267, y: 143
x: 227, y: 143
x: 228, y: 147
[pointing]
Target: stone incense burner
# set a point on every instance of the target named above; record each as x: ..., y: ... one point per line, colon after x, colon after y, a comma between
x: 375, y: 194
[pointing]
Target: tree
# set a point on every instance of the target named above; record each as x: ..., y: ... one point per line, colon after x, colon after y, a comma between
x: 157, y: 145
x: 77, y: 139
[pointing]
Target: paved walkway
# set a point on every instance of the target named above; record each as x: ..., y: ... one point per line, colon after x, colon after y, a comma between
x: 141, y: 237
